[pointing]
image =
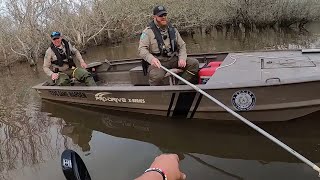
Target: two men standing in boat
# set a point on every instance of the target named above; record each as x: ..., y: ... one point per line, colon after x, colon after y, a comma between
x: 59, y: 65
x: 161, y: 44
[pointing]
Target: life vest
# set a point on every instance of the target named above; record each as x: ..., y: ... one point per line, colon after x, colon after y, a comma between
x: 161, y: 45
x: 158, y: 37
x: 64, y: 56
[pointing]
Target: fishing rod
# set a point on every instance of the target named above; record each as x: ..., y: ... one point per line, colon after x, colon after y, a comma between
x: 255, y: 127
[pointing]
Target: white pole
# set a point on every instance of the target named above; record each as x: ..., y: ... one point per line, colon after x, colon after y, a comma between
x: 269, y: 136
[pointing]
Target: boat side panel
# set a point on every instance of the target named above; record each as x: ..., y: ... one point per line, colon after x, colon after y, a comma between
x: 271, y: 103
x: 142, y: 100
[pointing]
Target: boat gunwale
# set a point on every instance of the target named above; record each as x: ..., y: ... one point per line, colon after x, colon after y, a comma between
x: 209, y: 86
x: 214, y: 86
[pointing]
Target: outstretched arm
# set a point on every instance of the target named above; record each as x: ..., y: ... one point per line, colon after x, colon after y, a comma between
x: 168, y: 164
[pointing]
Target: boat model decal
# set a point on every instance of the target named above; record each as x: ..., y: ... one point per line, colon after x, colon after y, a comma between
x: 68, y: 93
x: 102, y: 97
x: 243, y: 100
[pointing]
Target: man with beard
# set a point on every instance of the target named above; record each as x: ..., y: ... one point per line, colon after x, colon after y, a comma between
x: 58, y: 63
x: 161, y: 44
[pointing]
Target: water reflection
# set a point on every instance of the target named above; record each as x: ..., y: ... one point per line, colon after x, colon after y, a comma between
x: 210, y: 138
x: 199, y: 142
x: 27, y: 136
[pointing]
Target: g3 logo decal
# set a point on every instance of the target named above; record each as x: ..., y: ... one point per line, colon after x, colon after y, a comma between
x: 243, y: 100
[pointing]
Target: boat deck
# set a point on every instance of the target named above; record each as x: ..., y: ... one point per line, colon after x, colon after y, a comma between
x: 267, y: 68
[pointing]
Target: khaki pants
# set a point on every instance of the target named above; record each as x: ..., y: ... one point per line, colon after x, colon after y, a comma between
x: 190, y: 72
x: 79, y: 74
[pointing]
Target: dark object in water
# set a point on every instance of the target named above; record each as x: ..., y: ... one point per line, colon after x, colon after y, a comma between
x: 73, y: 167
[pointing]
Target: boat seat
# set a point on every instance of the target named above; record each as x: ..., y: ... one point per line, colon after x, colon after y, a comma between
x: 139, y: 79
x: 172, y: 79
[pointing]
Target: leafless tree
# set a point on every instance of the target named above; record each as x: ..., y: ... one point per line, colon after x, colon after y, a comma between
x: 28, y: 23
x: 26, y: 135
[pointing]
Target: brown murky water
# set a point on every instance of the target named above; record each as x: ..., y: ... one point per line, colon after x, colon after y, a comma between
x: 118, y: 146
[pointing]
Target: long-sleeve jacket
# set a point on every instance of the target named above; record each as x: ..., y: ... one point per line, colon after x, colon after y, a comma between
x: 48, y: 67
x: 148, y: 45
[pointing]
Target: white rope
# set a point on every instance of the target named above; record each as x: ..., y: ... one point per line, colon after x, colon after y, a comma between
x: 265, y: 57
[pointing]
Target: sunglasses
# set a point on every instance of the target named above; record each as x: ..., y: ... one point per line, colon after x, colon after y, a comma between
x: 55, y: 33
x: 163, y: 15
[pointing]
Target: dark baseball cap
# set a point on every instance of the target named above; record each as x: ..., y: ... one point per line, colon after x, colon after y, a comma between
x: 55, y: 35
x: 159, y: 10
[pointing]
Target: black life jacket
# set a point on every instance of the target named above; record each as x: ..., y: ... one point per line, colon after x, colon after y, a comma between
x: 161, y: 45
x: 61, y: 57
x: 158, y: 37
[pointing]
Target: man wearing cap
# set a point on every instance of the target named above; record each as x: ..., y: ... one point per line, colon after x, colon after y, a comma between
x: 59, y: 65
x: 161, y: 44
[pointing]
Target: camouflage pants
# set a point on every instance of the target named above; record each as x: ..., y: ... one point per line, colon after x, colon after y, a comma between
x: 79, y: 74
x: 190, y: 72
